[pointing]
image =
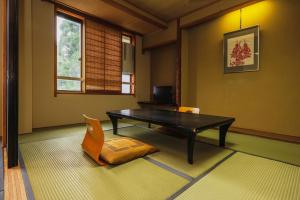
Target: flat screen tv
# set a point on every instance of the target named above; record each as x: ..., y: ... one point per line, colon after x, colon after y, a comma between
x: 163, y: 94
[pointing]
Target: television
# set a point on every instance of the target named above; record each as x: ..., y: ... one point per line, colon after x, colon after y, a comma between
x: 163, y: 94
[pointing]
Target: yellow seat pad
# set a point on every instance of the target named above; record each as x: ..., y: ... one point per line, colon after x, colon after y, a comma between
x: 121, y: 150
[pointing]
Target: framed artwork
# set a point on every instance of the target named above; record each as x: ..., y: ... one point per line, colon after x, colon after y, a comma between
x: 241, y: 50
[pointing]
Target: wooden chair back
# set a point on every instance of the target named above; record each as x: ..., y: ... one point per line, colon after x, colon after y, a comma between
x: 94, y: 139
x: 189, y: 109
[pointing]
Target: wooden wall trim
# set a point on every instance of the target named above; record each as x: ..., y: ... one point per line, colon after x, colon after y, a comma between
x: 55, y: 52
x: 264, y: 134
x: 66, y: 7
x: 4, y: 17
x: 178, y: 64
x: 165, y: 43
x: 135, y: 13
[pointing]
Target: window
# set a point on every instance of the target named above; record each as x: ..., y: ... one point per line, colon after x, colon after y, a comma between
x: 68, y: 66
x: 128, y: 57
x: 107, y: 66
x: 127, y: 84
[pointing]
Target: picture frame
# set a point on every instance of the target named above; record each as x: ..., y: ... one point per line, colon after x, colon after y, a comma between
x: 241, y: 50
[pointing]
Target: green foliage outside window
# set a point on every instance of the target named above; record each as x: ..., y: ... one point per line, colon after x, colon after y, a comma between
x: 68, y: 53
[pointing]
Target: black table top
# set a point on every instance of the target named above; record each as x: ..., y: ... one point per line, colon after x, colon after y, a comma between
x: 184, y: 121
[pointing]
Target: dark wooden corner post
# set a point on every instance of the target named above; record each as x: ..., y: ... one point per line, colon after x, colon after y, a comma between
x: 178, y: 65
x: 12, y: 82
x: 4, y: 48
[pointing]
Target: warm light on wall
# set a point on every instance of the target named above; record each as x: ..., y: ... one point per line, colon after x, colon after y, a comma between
x: 247, y: 16
x: 256, y: 12
x: 231, y: 21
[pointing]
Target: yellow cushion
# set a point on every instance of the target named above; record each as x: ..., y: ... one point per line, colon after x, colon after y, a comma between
x: 120, y: 150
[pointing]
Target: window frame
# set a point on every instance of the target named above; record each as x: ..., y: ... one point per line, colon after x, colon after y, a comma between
x: 132, y: 82
x: 78, y: 19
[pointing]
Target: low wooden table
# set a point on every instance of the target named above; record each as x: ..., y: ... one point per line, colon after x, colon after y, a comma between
x: 188, y: 123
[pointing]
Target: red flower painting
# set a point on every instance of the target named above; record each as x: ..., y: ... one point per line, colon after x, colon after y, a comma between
x: 241, y: 50
x: 240, y: 53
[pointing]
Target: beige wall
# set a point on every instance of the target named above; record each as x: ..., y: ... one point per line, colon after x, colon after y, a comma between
x: 38, y: 106
x: 25, y: 67
x: 163, y: 66
x: 185, y: 68
x: 267, y: 100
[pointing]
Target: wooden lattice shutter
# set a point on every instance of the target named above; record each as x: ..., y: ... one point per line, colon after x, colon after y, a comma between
x: 103, y: 58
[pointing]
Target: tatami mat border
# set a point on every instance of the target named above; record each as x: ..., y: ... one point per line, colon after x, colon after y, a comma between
x: 195, y: 180
x: 28, y: 188
x: 170, y: 169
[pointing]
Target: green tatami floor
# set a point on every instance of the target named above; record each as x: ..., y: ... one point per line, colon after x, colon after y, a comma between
x: 273, y: 149
x: 57, y: 167
x: 247, y: 177
x: 64, y: 131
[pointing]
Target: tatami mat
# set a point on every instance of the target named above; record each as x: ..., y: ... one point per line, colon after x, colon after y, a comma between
x: 64, y: 131
x: 247, y: 177
x: 273, y: 149
x: 173, y: 151
x: 58, y: 169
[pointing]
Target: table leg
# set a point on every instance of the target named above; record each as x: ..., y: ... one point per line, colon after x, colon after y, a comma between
x: 190, y: 147
x: 223, y: 131
x: 149, y: 125
x: 114, y: 121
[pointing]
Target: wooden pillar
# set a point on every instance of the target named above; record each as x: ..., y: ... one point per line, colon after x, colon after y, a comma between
x: 4, y: 24
x: 178, y: 65
x: 12, y: 82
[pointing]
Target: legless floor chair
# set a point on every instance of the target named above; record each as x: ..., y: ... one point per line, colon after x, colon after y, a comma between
x: 189, y: 110
x: 114, y: 151
x: 94, y: 139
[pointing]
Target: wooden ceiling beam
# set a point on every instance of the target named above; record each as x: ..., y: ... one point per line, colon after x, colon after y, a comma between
x: 145, y: 11
x: 134, y: 13
x: 196, y: 9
